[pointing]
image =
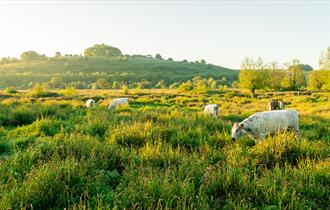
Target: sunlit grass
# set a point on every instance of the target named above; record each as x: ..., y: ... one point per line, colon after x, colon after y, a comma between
x: 160, y: 152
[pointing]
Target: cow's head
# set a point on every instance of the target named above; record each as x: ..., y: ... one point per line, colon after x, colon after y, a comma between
x: 237, y: 130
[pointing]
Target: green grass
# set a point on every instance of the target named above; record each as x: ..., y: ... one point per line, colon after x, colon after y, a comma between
x: 159, y: 153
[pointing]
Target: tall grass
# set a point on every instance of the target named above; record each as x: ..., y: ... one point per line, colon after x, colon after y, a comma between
x: 159, y: 153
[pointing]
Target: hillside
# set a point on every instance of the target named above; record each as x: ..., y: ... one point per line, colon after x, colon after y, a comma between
x: 124, y: 69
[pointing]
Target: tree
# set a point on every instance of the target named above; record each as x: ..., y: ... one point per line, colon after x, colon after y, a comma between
x: 174, y: 85
x: 102, y: 50
x: 58, y: 55
x: 55, y: 82
x: 223, y: 81
x: 251, y: 75
x: 324, y: 62
x: 161, y: 84
x: 103, y: 83
x: 201, y: 86
x: 115, y: 85
x: 296, y: 75
x: 235, y: 84
x: 158, y: 56
x: 251, y: 79
x: 305, y: 67
x: 319, y: 80
x: 186, y: 86
x: 31, y: 56
x: 170, y: 59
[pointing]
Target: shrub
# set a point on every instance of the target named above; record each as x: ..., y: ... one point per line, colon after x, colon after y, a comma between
x: 11, y: 90
x: 70, y: 92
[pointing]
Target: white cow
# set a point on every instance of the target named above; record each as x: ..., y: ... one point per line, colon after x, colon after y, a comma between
x: 212, y: 109
x: 90, y: 103
x: 118, y: 102
x: 260, y: 124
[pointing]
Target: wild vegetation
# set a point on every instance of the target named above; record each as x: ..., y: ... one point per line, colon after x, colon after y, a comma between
x: 161, y: 152
x: 104, y: 67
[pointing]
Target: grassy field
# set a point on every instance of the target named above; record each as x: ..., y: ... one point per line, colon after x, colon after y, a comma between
x: 161, y: 152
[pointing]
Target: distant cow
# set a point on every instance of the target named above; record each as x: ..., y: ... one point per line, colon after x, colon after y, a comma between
x: 118, y: 102
x: 90, y: 103
x: 212, y: 109
x: 275, y: 104
x: 260, y: 124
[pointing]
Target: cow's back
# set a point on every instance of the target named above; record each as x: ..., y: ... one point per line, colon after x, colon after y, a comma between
x: 271, y: 121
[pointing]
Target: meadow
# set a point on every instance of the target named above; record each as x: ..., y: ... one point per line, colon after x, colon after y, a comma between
x: 161, y: 152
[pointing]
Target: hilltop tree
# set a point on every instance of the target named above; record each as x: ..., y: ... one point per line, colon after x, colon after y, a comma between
x: 158, y: 56
x: 102, y: 50
x: 31, y: 56
x: 58, y: 55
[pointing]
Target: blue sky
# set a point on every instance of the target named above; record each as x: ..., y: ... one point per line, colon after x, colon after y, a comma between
x: 221, y: 32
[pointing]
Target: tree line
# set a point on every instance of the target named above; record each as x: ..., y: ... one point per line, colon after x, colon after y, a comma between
x: 258, y: 75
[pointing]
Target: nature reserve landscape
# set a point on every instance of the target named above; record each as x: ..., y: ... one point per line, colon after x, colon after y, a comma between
x: 145, y: 105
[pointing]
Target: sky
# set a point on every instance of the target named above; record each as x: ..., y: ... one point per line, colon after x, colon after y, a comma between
x: 220, y: 32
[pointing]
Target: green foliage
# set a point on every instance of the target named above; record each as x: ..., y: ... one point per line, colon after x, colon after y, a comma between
x: 83, y: 72
x: 102, y: 83
x: 41, y: 90
x: 124, y: 89
x: 319, y: 80
x: 55, y: 82
x: 11, y: 90
x: 102, y: 50
x: 256, y: 75
x: 19, y: 116
x: 186, y: 86
x: 70, y: 92
x: 31, y: 56
x: 158, y: 56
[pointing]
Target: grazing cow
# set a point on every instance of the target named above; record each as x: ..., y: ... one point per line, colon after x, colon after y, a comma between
x: 118, y: 102
x: 275, y: 104
x: 260, y: 124
x: 212, y: 109
x: 90, y: 103
x: 281, y: 105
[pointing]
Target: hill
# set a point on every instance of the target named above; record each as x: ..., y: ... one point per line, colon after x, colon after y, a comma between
x: 124, y: 69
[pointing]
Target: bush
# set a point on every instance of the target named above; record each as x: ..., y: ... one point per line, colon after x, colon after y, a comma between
x: 70, y: 92
x: 40, y: 90
x: 11, y: 90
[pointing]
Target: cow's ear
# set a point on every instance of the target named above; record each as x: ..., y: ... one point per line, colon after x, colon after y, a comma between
x: 241, y: 125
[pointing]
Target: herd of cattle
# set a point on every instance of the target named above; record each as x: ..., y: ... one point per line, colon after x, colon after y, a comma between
x: 256, y: 126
